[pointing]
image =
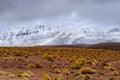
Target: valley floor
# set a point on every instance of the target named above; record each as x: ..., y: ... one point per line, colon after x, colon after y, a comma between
x: 50, y: 63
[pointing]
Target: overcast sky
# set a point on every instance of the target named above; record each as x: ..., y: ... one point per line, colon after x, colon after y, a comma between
x: 18, y: 12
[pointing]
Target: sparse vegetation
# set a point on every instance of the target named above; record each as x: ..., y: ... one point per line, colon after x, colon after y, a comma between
x: 46, y: 77
x: 66, y: 72
x: 11, y: 75
x: 115, y: 73
x: 76, y: 65
x: 86, y: 77
x: 112, y: 79
x: 31, y: 65
x: 48, y: 57
x: 59, y: 77
x: 54, y: 66
x: 56, y: 70
x: 100, y: 73
x: 87, y: 70
x: 24, y: 63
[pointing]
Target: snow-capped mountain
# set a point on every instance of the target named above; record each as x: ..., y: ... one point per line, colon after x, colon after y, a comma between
x: 68, y: 30
x: 57, y: 35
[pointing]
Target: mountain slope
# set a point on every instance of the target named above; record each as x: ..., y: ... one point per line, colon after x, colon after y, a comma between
x: 56, y: 35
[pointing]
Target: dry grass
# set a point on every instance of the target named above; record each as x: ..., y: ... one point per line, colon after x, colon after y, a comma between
x: 32, y: 63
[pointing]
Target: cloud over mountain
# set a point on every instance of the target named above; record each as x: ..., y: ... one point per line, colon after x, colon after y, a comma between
x: 17, y: 12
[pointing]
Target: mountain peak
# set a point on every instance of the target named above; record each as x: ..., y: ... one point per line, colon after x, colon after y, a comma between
x: 56, y: 35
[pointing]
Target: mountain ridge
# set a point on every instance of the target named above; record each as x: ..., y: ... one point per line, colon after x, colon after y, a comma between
x: 57, y: 35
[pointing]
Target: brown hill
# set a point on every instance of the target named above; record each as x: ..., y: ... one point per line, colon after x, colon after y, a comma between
x: 106, y: 46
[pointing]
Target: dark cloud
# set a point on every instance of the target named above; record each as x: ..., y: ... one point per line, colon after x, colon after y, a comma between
x: 18, y: 11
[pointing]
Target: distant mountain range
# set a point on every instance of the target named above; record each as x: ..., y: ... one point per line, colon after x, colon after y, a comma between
x: 57, y: 35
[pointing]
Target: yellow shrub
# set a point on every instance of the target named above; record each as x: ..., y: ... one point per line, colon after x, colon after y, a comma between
x: 111, y: 68
x: 112, y: 78
x: 76, y: 65
x: 106, y: 64
x: 56, y: 70
x: 65, y: 71
x: 6, y: 73
x: 11, y: 75
x: 1, y: 73
x: 100, y: 73
x: 59, y: 78
x: 54, y: 66
x: 30, y: 73
x: 6, y: 58
x: 48, y: 57
x: 21, y: 60
x: 115, y: 73
x: 20, y: 74
x: 46, y: 77
x: 18, y: 54
x: 86, y: 77
x: 31, y: 65
x: 82, y: 61
x: 24, y: 78
x: 87, y: 70
x: 26, y: 75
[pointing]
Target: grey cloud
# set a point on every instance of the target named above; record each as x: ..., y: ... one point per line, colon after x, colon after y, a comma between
x: 17, y: 11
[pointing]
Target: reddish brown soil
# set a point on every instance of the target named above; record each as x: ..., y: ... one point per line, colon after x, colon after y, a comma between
x: 16, y: 59
x: 16, y: 66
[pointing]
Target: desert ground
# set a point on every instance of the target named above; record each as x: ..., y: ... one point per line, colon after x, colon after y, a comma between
x: 58, y: 63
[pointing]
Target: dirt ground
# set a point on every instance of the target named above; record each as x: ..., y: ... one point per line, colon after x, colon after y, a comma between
x: 21, y: 66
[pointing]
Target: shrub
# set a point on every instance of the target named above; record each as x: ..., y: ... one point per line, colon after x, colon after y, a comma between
x: 26, y: 75
x: 6, y: 58
x: 30, y: 73
x: 59, y: 78
x: 115, y: 73
x: 18, y: 54
x: 1, y: 72
x: 54, y: 66
x: 86, y: 77
x: 100, y: 73
x: 46, y: 77
x: 81, y: 61
x: 106, y: 64
x: 66, y: 72
x: 1, y: 53
x: 26, y: 56
x: 31, y: 65
x: 87, y: 70
x: 77, y: 74
x: 56, y: 70
x: 94, y: 63
x: 48, y: 57
x: 76, y: 65
x: 20, y: 74
x: 112, y: 79
x: 6, y: 73
x: 111, y: 68
x: 11, y: 75
x: 21, y: 60
x: 24, y: 78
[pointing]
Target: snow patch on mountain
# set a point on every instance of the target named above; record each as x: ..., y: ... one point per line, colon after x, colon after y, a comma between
x: 57, y: 35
